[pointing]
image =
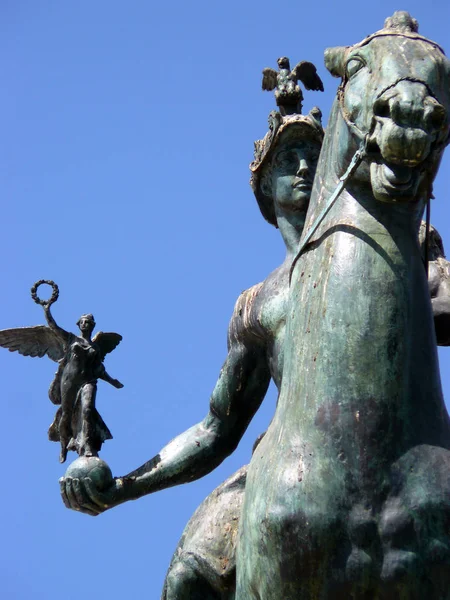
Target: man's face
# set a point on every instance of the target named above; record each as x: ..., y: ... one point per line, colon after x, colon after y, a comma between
x: 293, y: 170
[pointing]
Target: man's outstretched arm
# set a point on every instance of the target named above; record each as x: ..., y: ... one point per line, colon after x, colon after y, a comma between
x: 239, y: 391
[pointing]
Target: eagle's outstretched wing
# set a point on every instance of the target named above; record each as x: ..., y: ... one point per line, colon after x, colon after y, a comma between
x: 106, y: 342
x: 34, y: 341
x: 306, y: 72
x: 269, y: 80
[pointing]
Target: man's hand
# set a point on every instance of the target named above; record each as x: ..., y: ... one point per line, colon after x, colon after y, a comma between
x: 82, y: 495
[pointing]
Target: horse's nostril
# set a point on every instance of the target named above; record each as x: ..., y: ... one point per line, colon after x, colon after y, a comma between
x: 381, y: 108
x: 435, y: 115
x: 372, y: 146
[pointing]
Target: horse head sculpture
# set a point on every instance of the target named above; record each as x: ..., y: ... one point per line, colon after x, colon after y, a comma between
x: 395, y: 95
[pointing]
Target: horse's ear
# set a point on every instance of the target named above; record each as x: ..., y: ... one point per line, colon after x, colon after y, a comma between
x: 335, y: 60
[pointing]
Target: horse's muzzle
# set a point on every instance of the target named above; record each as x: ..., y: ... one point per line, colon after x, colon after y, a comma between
x: 408, y: 119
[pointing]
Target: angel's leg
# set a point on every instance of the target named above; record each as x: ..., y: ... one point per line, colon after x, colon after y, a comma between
x: 65, y: 424
x: 88, y: 434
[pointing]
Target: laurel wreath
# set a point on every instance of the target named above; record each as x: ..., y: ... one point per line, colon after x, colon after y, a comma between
x: 53, y: 298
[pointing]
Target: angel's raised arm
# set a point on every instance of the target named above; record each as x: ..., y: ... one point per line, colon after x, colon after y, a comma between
x: 64, y: 335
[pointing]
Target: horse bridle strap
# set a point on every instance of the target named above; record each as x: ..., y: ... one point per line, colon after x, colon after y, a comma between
x: 354, y: 164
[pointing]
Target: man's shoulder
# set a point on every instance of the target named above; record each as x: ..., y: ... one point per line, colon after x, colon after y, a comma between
x: 260, y: 309
x: 262, y: 292
x: 244, y: 321
x: 247, y: 298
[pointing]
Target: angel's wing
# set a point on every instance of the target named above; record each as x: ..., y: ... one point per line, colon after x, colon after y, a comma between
x: 306, y: 72
x: 33, y: 341
x: 269, y: 81
x: 106, y: 342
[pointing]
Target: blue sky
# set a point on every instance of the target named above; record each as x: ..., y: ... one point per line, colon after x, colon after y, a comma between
x: 128, y: 129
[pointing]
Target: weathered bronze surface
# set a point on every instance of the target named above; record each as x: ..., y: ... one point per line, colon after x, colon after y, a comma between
x: 77, y: 425
x: 348, y: 493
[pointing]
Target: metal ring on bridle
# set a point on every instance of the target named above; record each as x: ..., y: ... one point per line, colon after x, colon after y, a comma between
x: 53, y: 298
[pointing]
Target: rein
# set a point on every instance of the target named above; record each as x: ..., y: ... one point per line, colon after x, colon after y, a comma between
x: 354, y: 164
x: 426, y: 258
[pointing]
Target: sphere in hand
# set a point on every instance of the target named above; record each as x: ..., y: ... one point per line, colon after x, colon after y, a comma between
x: 93, y: 467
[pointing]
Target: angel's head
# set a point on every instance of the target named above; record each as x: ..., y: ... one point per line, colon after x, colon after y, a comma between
x: 86, y: 323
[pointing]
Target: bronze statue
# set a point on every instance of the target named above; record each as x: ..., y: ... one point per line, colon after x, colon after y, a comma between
x: 77, y: 425
x: 347, y: 493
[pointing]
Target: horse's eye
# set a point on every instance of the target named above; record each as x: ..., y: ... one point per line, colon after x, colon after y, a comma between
x: 354, y: 65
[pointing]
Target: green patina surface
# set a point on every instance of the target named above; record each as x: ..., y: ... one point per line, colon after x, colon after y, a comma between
x: 348, y: 495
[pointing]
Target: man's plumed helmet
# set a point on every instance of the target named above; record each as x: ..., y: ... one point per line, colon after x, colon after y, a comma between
x: 287, y: 129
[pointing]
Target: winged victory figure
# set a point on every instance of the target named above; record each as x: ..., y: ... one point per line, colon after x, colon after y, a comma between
x: 77, y: 425
x: 288, y: 94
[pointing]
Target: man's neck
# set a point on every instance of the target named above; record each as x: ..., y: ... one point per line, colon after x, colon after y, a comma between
x: 291, y: 227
